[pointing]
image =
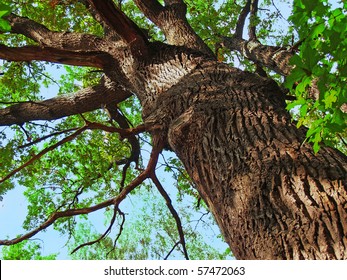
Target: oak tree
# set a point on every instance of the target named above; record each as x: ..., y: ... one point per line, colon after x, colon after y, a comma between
x: 273, y: 194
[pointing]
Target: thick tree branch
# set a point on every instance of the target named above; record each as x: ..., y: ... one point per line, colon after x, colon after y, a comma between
x: 84, y: 100
x: 77, y: 58
x: 172, y: 20
x: 274, y: 58
x: 58, y: 40
x: 122, y: 25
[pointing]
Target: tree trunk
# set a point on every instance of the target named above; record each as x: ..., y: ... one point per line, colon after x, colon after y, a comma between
x: 271, y: 196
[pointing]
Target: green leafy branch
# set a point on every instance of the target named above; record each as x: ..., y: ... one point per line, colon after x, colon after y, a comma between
x: 319, y: 77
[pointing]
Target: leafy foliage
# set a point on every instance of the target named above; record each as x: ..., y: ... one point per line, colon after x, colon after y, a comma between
x: 138, y: 240
x: 320, y: 74
x: 4, y: 11
x: 26, y: 250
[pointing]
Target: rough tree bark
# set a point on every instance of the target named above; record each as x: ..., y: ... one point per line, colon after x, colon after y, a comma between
x: 272, y: 197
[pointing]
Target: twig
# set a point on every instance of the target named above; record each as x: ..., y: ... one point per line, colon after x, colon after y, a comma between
x: 82, y: 211
x: 43, y: 152
x: 108, y: 230
x: 46, y: 137
x: 173, y: 248
x: 173, y: 212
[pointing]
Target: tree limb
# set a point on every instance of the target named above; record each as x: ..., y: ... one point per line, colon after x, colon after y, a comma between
x: 58, y: 40
x: 172, y: 20
x: 241, y: 20
x: 274, y: 58
x: 78, y: 58
x: 122, y: 25
x: 84, y: 100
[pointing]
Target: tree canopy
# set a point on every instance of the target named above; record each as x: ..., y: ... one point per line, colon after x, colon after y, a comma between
x: 96, y: 152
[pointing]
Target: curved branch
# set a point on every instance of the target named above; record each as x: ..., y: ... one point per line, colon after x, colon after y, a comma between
x: 43, y: 152
x: 241, y: 20
x: 58, y: 40
x: 77, y: 58
x: 84, y: 100
x: 108, y: 230
x: 173, y: 212
x: 113, y: 201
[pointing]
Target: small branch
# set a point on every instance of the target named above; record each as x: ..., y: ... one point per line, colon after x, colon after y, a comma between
x: 82, y: 211
x: 47, y: 136
x: 252, y: 27
x: 43, y: 152
x: 124, y: 133
x: 241, y: 20
x: 173, y: 248
x: 108, y: 230
x: 173, y: 212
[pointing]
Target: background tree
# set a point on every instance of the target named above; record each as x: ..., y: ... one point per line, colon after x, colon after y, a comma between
x: 273, y: 195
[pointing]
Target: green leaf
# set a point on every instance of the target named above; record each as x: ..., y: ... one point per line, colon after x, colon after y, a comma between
x: 330, y: 98
x: 318, y: 30
x: 4, y: 10
x: 4, y: 25
x: 303, y: 110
